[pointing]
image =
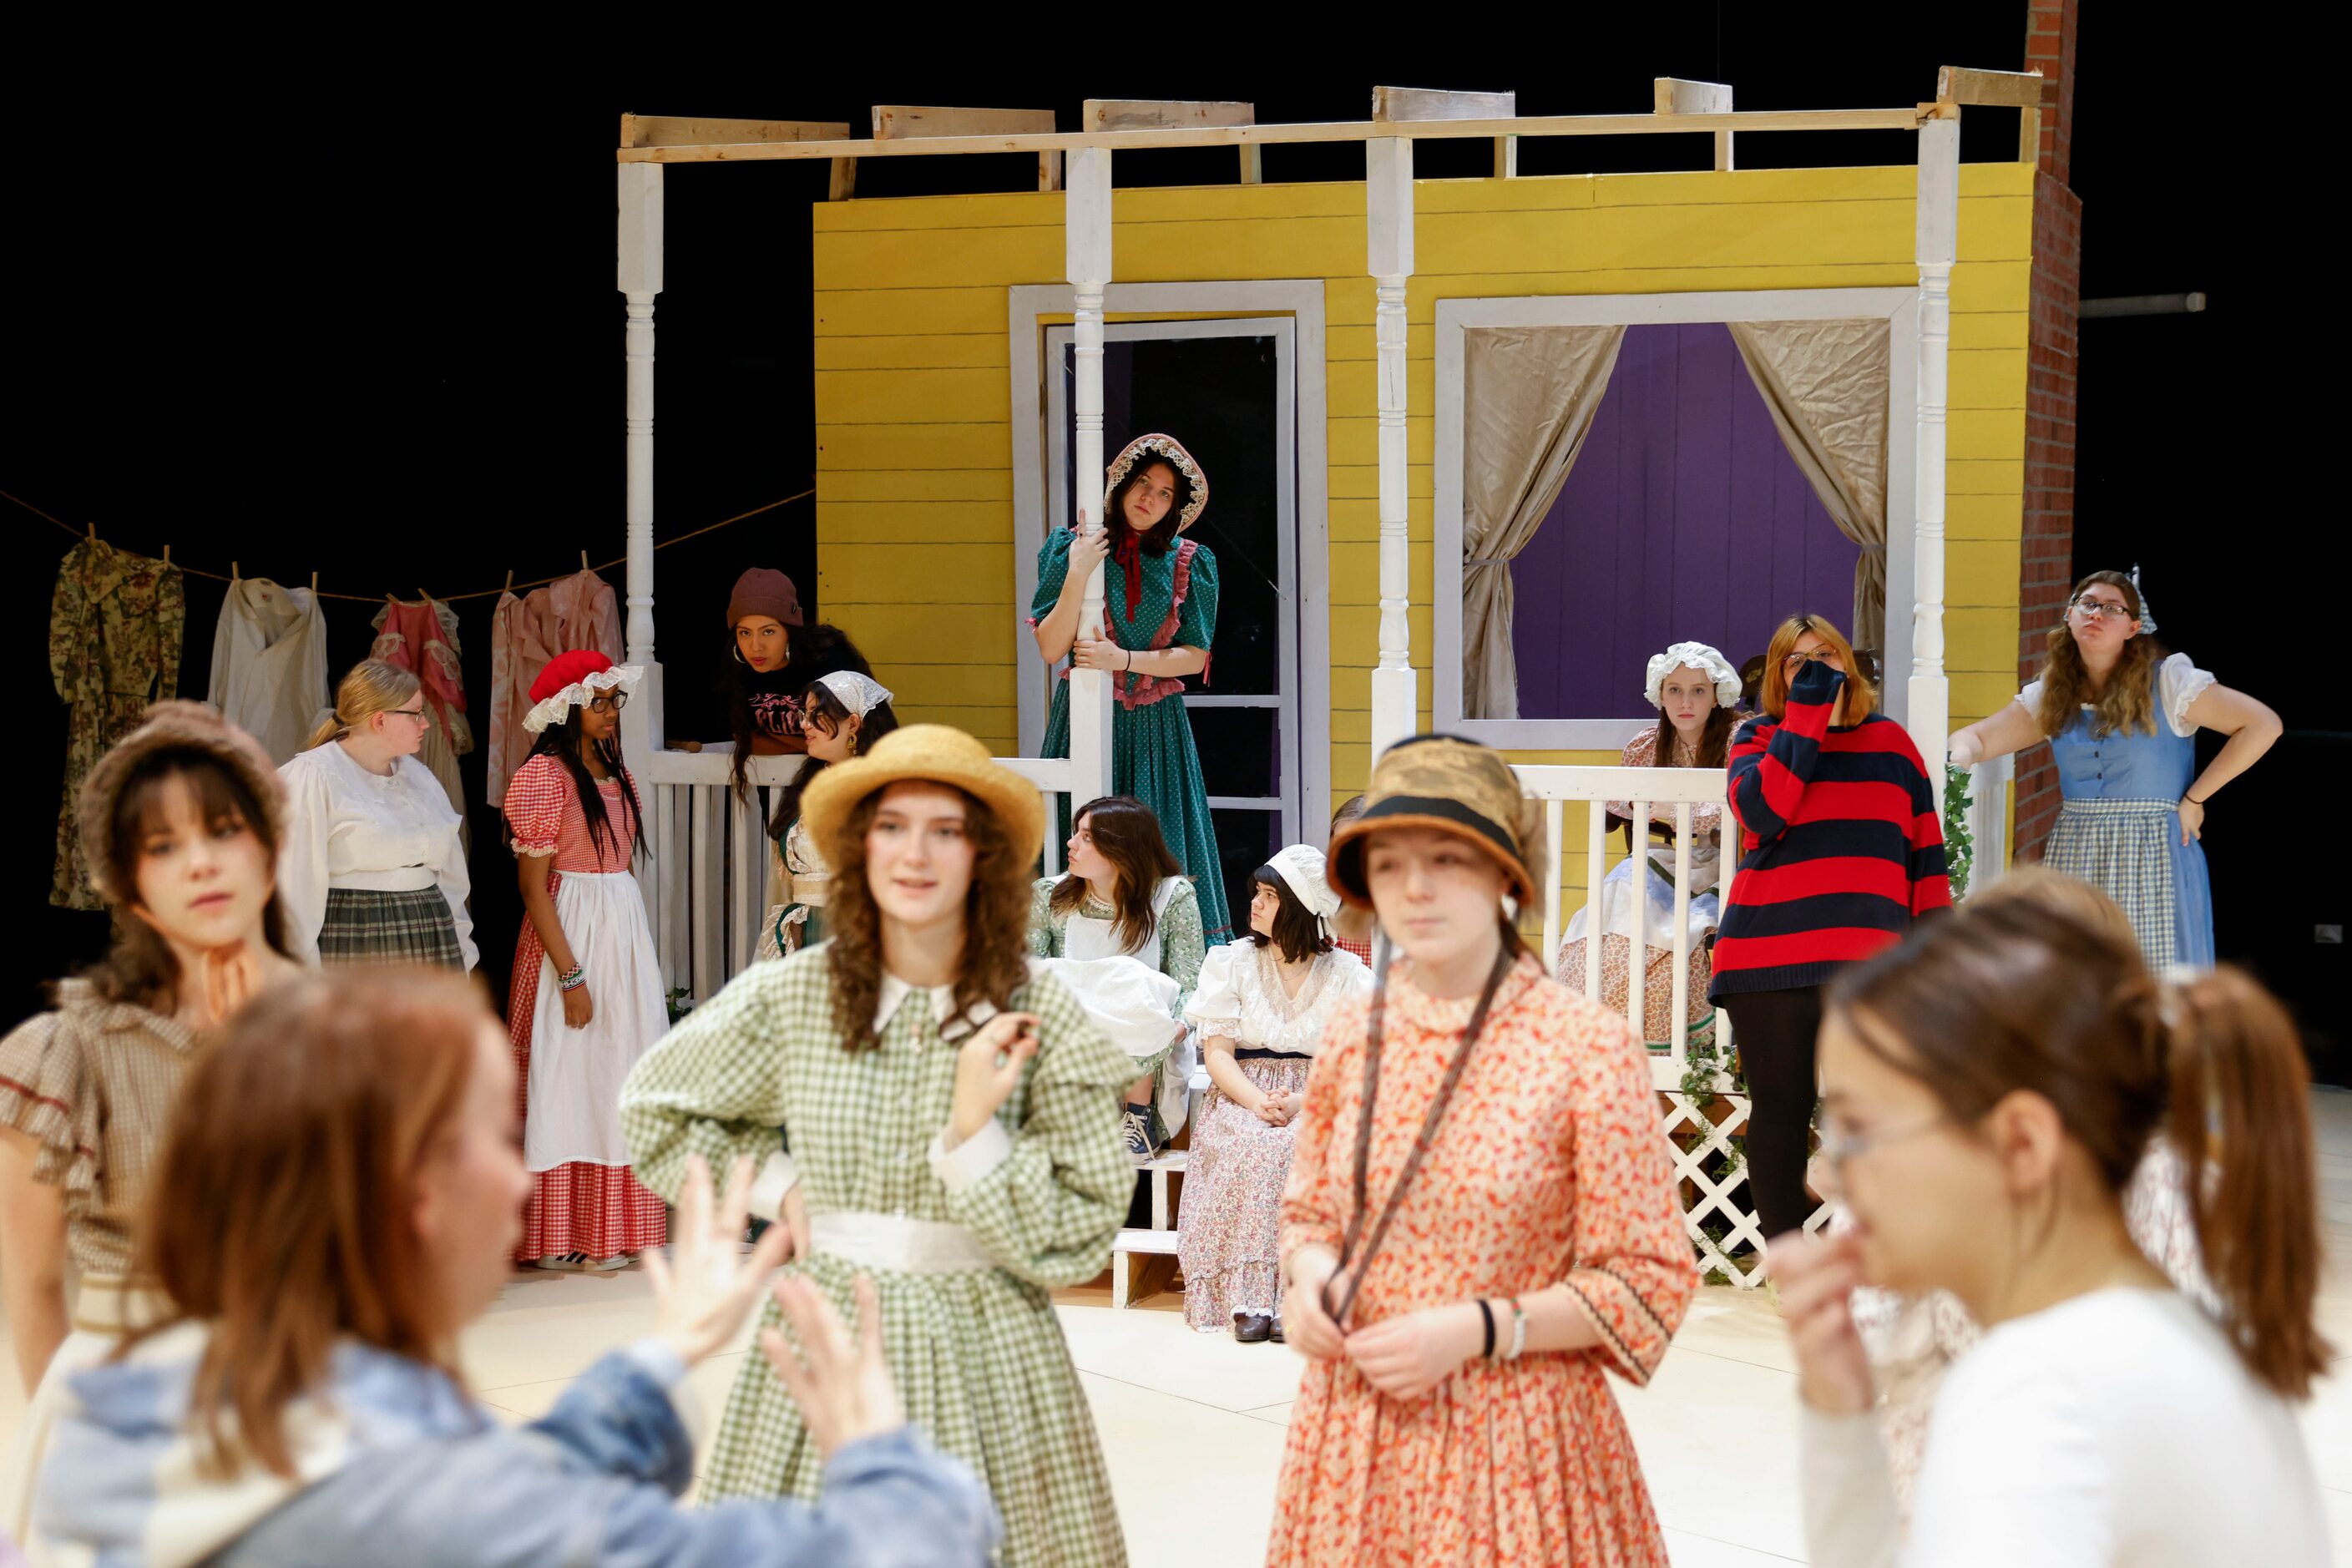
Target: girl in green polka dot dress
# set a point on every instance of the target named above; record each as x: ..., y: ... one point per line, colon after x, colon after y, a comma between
x: 1159, y: 597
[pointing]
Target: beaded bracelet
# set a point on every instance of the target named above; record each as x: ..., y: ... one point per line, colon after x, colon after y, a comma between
x: 574, y: 978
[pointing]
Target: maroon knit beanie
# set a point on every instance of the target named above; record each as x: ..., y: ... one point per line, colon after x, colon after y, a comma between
x: 764, y: 591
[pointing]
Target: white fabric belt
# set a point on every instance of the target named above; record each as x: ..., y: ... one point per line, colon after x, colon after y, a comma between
x: 394, y: 880
x: 594, y: 876
x: 111, y: 1305
x: 896, y: 1243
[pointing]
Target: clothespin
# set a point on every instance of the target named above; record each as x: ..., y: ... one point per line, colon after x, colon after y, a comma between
x: 584, y: 561
x: 167, y: 555
x: 424, y: 595
x: 314, y: 583
x: 93, y: 533
x: 510, y: 587
x: 233, y: 572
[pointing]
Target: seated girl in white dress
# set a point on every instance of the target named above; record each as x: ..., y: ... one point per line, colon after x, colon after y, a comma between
x: 1260, y: 1007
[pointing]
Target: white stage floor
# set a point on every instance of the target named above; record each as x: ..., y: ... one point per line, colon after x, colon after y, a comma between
x: 1192, y: 1423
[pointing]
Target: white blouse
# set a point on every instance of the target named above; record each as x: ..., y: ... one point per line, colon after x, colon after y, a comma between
x: 347, y: 827
x: 1240, y: 997
x: 2179, y: 683
x: 2115, y: 1428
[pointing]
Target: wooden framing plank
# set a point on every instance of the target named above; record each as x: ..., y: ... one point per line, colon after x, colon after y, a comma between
x: 677, y: 131
x: 1161, y: 113
x: 1674, y: 95
x: 1396, y: 105
x: 1173, y: 114
x: 2013, y: 90
x: 909, y: 121
x: 1904, y: 119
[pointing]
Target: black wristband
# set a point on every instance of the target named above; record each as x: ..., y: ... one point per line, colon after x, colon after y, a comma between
x: 1487, y: 1315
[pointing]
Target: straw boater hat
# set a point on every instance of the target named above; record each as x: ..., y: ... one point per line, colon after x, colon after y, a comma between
x: 1171, y: 450
x: 1450, y: 785
x: 935, y: 754
x: 171, y: 727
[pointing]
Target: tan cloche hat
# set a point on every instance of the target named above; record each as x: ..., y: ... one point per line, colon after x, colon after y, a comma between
x: 175, y: 726
x: 1450, y: 785
x: 937, y: 753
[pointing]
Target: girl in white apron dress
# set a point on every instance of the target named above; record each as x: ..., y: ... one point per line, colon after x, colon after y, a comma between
x: 1123, y: 897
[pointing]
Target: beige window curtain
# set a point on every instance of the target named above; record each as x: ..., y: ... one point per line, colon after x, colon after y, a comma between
x: 1826, y: 383
x: 1529, y: 397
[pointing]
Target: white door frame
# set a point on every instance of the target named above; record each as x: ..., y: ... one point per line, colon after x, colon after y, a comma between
x: 1034, y: 480
x: 1899, y: 308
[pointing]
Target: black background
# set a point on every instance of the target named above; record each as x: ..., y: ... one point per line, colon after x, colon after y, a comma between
x: 343, y: 303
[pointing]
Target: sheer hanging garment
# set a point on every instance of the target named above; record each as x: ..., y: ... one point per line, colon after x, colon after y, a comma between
x: 422, y: 638
x: 269, y: 664
x: 569, y: 614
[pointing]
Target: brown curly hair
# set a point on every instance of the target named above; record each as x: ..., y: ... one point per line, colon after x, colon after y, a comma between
x: 995, y: 924
x: 2128, y: 703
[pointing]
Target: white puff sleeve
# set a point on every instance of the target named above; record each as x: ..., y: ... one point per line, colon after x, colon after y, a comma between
x: 1216, y: 1008
x: 302, y: 853
x: 2180, y: 683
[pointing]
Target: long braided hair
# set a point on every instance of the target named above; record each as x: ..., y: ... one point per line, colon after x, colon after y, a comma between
x: 561, y: 740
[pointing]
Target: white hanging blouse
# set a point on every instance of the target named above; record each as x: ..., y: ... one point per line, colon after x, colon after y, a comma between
x: 347, y: 827
x: 1240, y: 997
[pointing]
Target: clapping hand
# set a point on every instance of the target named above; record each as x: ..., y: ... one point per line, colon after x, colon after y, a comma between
x: 706, y: 1286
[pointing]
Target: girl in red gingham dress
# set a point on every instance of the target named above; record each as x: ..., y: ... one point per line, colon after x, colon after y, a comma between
x: 587, y: 997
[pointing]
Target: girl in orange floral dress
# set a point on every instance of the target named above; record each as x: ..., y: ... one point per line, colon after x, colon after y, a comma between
x: 1480, y: 1216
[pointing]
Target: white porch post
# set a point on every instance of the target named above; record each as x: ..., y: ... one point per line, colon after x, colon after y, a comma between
x: 1388, y: 181
x: 1939, y: 236
x: 1087, y: 223
x: 640, y: 279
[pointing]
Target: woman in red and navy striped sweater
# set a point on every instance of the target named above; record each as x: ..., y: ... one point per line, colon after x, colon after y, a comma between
x: 1841, y: 849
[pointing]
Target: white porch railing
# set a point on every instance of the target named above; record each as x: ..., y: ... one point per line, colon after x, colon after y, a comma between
x: 1990, y: 785
x: 1711, y: 1172
x: 706, y: 879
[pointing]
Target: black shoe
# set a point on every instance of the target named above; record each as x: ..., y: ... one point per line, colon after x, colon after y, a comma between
x: 1277, y: 1335
x: 1252, y: 1328
x: 1136, y: 1127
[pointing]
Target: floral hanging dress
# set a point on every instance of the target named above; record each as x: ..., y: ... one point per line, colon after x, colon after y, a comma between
x: 1152, y: 755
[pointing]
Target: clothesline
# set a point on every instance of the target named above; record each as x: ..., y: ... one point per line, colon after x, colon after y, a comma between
x: 438, y: 598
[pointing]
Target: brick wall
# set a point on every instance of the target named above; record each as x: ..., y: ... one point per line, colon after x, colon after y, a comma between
x: 2045, y: 557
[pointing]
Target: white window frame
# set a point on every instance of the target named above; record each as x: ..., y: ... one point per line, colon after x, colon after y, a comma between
x: 1034, y: 481
x: 1899, y: 308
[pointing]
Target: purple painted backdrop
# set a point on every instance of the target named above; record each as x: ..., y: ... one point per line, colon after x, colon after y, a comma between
x: 1684, y: 519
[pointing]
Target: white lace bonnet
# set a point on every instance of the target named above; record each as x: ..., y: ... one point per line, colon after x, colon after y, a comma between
x: 1698, y: 655
x: 861, y: 694
x: 1300, y: 867
x: 1171, y: 448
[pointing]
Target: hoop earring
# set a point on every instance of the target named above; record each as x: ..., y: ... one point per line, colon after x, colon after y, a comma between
x: 736, y: 650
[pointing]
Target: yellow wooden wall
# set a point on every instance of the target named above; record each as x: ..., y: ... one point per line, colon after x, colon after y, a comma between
x: 914, y: 433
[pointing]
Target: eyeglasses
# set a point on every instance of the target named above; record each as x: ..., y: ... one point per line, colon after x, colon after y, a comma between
x: 2093, y: 609
x: 610, y: 702
x: 1797, y: 661
x: 1840, y: 1145
x: 416, y: 713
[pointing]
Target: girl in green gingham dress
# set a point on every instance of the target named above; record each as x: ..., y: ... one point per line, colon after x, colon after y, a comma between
x: 977, y: 1352
x: 1162, y: 609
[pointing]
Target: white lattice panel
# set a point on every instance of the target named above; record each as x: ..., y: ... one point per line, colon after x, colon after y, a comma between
x: 1719, y: 1197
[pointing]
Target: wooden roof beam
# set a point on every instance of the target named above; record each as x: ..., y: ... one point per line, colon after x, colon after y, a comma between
x: 1409, y: 105
x: 2021, y: 90
x: 907, y: 122
x: 1904, y: 119
x: 676, y: 130
x: 1673, y: 95
x: 1173, y: 114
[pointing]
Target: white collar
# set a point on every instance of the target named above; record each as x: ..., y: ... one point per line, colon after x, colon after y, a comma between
x: 895, y: 991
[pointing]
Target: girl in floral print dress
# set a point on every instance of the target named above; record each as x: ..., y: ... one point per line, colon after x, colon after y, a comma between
x: 1480, y: 1218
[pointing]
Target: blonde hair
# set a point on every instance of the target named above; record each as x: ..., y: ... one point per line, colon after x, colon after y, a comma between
x: 372, y: 687
x: 2129, y: 702
x: 1860, y: 697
